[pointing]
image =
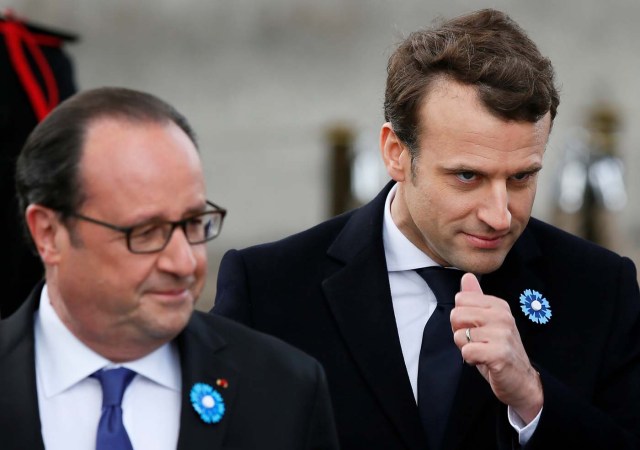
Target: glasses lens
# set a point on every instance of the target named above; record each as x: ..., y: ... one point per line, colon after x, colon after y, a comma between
x: 149, y: 237
x: 153, y: 237
x: 203, y: 227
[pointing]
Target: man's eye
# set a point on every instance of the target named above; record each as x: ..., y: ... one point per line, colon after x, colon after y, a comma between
x: 521, y: 176
x: 146, y: 231
x: 466, y: 176
x: 194, y: 223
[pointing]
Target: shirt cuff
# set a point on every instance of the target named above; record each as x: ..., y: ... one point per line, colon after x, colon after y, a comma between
x: 525, y: 431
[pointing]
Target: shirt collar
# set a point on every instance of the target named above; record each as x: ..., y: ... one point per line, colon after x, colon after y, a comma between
x: 66, y: 360
x: 399, y: 252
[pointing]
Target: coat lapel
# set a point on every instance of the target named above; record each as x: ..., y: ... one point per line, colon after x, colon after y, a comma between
x: 359, y: 297
x: 19, y: 415
x: 198, y: 346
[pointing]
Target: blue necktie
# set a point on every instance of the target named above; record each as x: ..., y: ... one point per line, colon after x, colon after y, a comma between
x: 111, y: 432
x: 440, y: 361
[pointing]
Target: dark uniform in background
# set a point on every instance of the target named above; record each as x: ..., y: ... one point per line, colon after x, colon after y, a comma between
x: 35, y: 75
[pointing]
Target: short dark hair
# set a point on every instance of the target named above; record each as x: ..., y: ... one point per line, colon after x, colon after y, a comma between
x: 485, y: 49
x: 47, y: 167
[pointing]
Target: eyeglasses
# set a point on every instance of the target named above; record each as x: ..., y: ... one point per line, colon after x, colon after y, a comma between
x: 153, y: 237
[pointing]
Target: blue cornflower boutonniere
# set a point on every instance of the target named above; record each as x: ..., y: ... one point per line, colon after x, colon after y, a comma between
x: 535, y: 306
x: 207, y: 402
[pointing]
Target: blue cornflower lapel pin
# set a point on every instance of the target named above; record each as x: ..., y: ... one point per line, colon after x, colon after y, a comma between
x: 207, y: 402
x: 535, y: 306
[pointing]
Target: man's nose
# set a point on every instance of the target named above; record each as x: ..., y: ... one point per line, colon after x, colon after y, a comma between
x: 178, y: 256
x: 494, y: 210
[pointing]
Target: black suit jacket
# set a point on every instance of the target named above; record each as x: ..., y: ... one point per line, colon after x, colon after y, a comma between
x: 326, y: 291
x: 276, y: 396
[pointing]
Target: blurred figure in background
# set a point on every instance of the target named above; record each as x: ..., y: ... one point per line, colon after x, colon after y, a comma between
x: 35, y: 74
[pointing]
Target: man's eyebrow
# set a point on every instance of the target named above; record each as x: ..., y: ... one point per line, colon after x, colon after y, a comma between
x: 457, y: 168
x: 196, y: 209
x: 156, y: 218
x: 535, y: 167
x: 145, y: 220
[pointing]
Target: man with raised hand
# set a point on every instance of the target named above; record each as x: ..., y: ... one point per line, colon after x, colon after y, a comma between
x: 543, y: 353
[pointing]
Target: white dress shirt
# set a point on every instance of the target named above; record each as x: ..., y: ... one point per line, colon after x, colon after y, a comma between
x: 70, y: 403
x: 414, y: 302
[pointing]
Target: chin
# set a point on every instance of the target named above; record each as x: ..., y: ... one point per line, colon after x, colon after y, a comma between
x: 481, y: 265
x: 169, y: 330
x: 488, y: 267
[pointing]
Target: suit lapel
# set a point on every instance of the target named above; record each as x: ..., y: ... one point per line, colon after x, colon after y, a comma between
x: 199, y: 363
x: 359, y: 297
x: 19, y: 415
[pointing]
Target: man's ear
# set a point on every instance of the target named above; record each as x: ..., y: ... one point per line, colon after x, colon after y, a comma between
x: 395, y: 155
x: 44, y: 226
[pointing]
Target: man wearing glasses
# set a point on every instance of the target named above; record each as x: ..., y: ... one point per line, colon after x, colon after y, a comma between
x: 108, y: 352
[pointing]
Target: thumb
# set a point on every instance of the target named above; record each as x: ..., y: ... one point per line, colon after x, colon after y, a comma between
x: 470, y: 283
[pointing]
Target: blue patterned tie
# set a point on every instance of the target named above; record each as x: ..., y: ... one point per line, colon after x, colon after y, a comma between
x: 111, y: 432
x: 440, y: 361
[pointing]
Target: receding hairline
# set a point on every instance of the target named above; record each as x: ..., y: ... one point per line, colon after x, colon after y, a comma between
x: 130, y: 119
x: 125, y: 104
x: 441, y: 84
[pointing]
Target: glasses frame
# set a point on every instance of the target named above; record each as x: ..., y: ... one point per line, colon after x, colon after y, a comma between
x: 174, y: 224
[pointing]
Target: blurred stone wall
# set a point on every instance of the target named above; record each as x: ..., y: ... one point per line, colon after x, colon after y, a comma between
x: 263, y: 81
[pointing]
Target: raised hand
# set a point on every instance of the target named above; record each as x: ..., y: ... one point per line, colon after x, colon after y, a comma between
x: 485, y: 331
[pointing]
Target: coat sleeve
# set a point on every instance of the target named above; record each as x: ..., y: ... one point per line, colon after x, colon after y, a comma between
x: 232, y: 294
x: 322, y: 433
x: 611, y: 418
